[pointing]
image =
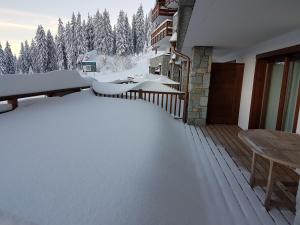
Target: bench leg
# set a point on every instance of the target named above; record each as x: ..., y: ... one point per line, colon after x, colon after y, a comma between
x: 252, y: 176
x: 269, y: 186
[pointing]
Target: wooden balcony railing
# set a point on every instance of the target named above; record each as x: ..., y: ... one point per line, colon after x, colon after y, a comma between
x: 162, y: 31
x: 161, y: 10
x: 172, y: 102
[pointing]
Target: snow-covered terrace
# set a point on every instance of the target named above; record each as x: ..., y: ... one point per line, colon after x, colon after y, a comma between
x: 83, y: 159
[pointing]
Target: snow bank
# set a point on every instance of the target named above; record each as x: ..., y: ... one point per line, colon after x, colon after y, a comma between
x: 112, y: 88
x: 22, y: 84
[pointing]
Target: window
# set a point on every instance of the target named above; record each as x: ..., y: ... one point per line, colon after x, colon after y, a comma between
x: 276, y: 91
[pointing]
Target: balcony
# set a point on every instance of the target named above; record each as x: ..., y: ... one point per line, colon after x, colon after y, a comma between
x: 163, y: 9
x: 162, y: 32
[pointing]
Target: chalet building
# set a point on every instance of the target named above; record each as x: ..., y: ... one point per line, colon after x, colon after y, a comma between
x: 245, y: 63
x: 164, y: 18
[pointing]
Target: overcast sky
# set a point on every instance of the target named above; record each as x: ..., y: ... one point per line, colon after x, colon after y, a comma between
x: 19, y: 18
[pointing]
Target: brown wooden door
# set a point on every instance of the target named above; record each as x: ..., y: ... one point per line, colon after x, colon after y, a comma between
x: 225, y: 93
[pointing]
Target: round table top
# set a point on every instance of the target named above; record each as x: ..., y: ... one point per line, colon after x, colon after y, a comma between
x: 277, y: 146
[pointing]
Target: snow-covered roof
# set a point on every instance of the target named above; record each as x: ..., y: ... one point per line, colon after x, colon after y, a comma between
x: 114, y: 89
x: 91, y: 56
x: 15, y: 84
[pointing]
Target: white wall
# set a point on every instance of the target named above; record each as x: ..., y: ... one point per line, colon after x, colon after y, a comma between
x: 248, y: 56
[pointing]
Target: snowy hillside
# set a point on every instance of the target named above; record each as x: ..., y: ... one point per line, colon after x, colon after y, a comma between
x: 115, y: 67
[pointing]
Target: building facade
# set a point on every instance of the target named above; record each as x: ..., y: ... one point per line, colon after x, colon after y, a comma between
x: 163, y: 20
x: 245, y: 63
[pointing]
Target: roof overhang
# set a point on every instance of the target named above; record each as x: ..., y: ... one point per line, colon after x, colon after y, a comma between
x: 235, y: 24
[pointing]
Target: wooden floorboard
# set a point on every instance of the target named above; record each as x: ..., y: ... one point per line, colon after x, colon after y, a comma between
x: 225, y: 137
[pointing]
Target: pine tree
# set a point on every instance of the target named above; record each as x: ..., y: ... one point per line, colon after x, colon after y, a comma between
x: 123, y: 35
x: 107, y: 41
x: 74, y: 41
x: 9, y: 59
x: 148, y: 30
x: 140, y: 30
x: 83, y: 39
x: 52, y: 54
x: 133, y: 27
x: 61, y: 47
x: 114, y: 50
x: 22, y: 59
x: 42, y: 53
x: 34, y: 65
x: 17, y: 65
x: 70, y: 46
x: 98, y: 28
x: 2, y: 61
x: 80, y: 36
x: 89, y: 34
x: 27, y: 60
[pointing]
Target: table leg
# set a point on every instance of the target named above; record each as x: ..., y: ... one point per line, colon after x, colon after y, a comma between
x: 252, y: 176
x: 269, y: 187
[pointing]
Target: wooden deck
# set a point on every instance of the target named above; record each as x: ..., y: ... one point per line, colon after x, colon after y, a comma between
x: 225, y: 138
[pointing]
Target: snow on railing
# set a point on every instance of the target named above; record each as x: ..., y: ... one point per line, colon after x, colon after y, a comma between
x: 171, y: 102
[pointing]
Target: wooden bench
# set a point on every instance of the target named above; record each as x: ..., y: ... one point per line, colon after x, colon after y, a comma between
x: 55, y: 83
x: 13, y: 99
x: 275, y: 146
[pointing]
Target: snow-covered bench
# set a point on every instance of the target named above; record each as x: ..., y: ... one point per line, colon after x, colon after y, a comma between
x: 56, y: 83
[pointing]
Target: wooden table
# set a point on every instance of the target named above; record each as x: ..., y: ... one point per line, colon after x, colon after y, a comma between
x: 277, y: 147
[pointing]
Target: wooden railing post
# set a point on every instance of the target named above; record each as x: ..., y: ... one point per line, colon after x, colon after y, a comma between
x: 185, y: 108
x: 140, y: 94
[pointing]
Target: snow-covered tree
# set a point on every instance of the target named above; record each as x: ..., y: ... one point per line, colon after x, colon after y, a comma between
x: 22, y: 59
x: 61, y: 47
x: 133, y: 28
x: 41, y: 46
x: 2, y: 60
x: 98, y: 29
x: 80, y: 36
x: 34, y: 65
x: 114, y: 50
x: 9, y: 59
x: 140, y: 29
x: 70, y: 46
x: 84, y: 42
x: 52, y: 54
x: 17, y: 65
x: 107, y: 41
x: 123, y: 35
x: 148, y: 29
x: 89, y: 34
x: 27, y: 59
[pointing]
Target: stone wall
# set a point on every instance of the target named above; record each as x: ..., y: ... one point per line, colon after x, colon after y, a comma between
x: 162, y: 60
x: 199, y: 85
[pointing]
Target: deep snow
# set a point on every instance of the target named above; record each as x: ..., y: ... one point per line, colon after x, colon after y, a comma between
x: 88, y: 160
x: 82, y: 159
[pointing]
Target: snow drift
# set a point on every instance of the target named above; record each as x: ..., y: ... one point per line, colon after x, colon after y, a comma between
x: 111, y: 162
